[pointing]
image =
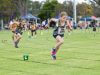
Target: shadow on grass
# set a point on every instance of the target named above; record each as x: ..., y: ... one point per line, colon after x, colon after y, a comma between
x: 54, y: 64
x: 37, y: 62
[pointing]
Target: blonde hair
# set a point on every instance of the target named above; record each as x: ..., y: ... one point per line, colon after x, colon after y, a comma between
x: 63, y: 14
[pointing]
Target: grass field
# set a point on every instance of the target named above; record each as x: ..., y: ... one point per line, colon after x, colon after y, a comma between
x: 79, y: 55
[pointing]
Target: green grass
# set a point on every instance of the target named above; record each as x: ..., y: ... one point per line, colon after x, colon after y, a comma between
x: 79, y: 55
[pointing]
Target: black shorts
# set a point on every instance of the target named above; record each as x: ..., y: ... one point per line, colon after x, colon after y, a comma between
x: 58, y: 35
x: 13, y: 31
x: 33, y: 30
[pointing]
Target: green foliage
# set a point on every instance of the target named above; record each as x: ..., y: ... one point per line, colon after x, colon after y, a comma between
x: 34, y: 7
x: 7, y: 8
x: 48, y: 10
x: 52, y: 8
x: 84, y: 9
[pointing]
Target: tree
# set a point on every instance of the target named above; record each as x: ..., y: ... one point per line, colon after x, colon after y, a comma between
x: 96, y: 7
x: 52, y: 8
x: 84, y: 10
x: 48, y: 10
x: 7, y: 8
x: 34, y: 7
x: 68, y: 7
x: 22, y: 6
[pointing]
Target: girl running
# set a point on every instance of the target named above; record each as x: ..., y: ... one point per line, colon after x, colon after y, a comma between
x: 58, y: 33
x: 17, y: 32
x: 33, y: 28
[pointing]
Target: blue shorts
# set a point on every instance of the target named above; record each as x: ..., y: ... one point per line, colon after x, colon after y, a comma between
x: 17, y: 31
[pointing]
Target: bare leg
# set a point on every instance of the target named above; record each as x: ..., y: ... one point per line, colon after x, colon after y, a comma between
x: 17, y: 38
x: 32, y: 33
x: 13, y: 37
x: 35, y: 32
x: 59, y: 42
